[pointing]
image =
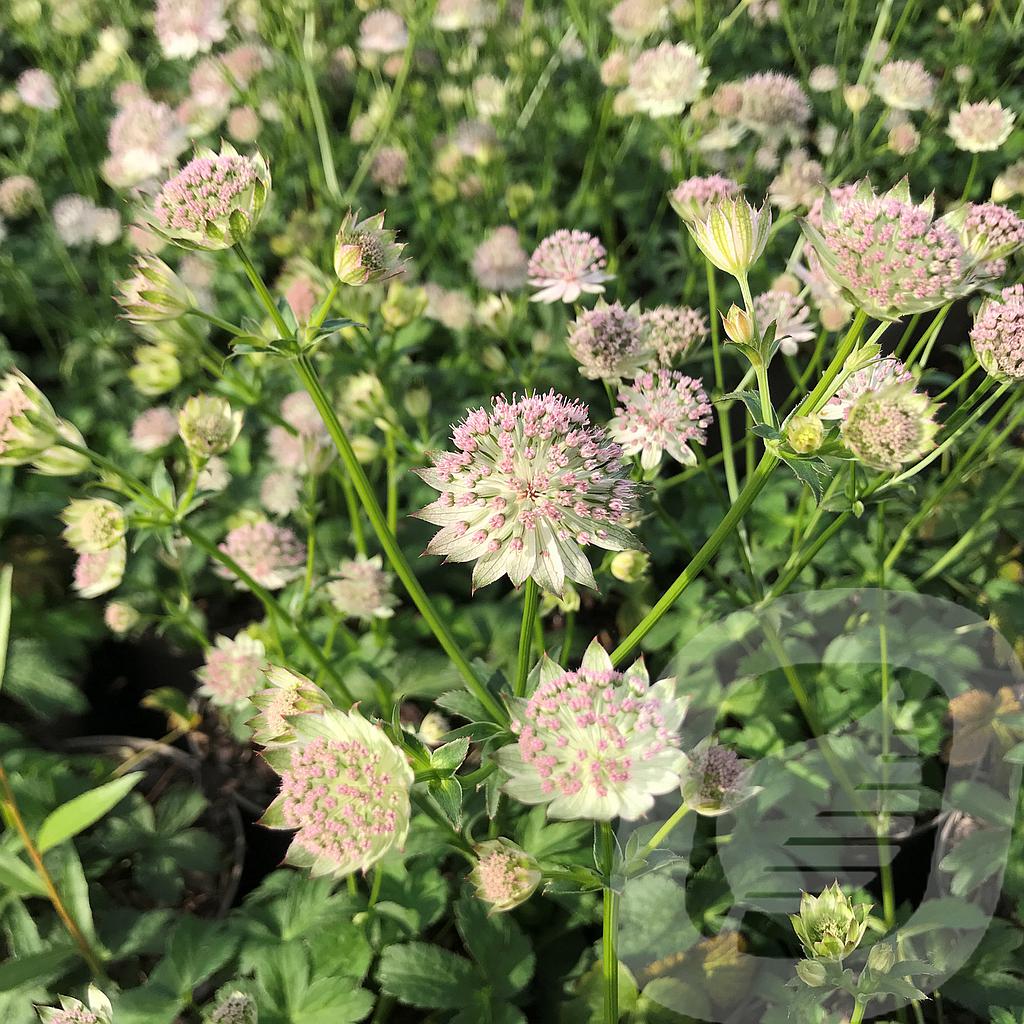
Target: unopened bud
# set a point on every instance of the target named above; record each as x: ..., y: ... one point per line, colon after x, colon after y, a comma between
x: 504, y: 875
x: 739, y: 325
x: 208, y: 425
x: 856, y: 97
x: 805, y: 434
x: 365, y: 252
x: 629, y: 566
x: 417, y: 402
x: 881, y: 957
x: 811, y: 973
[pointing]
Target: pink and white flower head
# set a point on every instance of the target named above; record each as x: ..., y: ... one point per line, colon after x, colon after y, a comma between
x: 692, y: 199
x: 344, y: 789
x: 187, y: 27
x: 120, y: 617
x: 905, y: 85
x: 790, y: 315
x: 595, y: 743
x: 279, y: 492
x: 673, y: 332
x: 284, y: 695
x: 530, y: 484
x: 634, y: 20
x: 798, y: 183
x: 144, y: 140
x: 98, y: 572
x: 998, y: 335
x: 211, y: 88
x: 384, y: 32
x: 74, y: 217
x: 989, y: 232
x: 243, y: 63
x: 888, y: 255
x: 456, y: 15
x: 37, y: 89
x: 500, y: 262
x: 665, y: 80
x: 154, y: 429
x: 716, y: 780
x: 504, y: 875
x: 773, y: 104
x: 658, y: 412
x: 980, y: 127
x: 608, y: 341
x: 19, y: 196
x: 214, y: 201
x: 233, y: 670
x: 874, y: 377
x: 307, y: 447
x: 363, y: 590
x: 73, y: 1011
x: 889, y: 428
x: 566, y: 265
x: 272, y: 555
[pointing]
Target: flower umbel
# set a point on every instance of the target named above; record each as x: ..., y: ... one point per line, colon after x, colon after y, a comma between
x: 595, y: 743
x: 829, y: 926
x: 271, y: 555
x: 530, y: 484
x: 566, y: 265
x: 214, y: 201
x: 234, y: 669
x: 608, y: 341
x: 363, y: 590
x: 504, y: 875
x: 73, y: 1011
x: 886, y: 429
x: 365, y: 252
x: 92, y: 525
x: 998, y: 335
x: 285, y: 695
x: 716, y: 781
x: 344, y: 789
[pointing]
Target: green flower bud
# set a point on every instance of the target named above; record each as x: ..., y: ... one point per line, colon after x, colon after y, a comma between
x: 739, y: 326
x: 629, y: 566
x: 504, y: 875
x: 805, y: 434
x: 881, y: 958
x: 733, y: 235
x: 811, y: 973
x: 829, y: 926
x: 208, y: 425
x: 92, y: 525
x: 403, y: 304
x: 365, y: 252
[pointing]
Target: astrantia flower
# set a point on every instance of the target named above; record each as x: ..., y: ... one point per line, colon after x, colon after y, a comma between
x: 365, y: 252
x: 716, y: 781
x: 93, y: 524
x: 665, y: 80
x: 567, y: 264
x: 74, y: 217
x: 500, y: 262
x: 73, y: 1011
x: 692, y: 199
x: 887, y: 254
x: 285, y: 695
x: 455, y: 15
x: 530, y: 484
x: 29, y: 430
x: 773, y: 104
x: 233, y: 670
x: 790, y: 316
x: 383, y: 31
x: 388, y: 169
x: 187, y: 27
x: 905, y: 85
x: 504, y: 875
x: 733, y: 235
x: 36, y: 89
x: 279, y: 492
x: 208, y: 425
x: 120, y: 618
x: 673, y: 332
x: 829, y: 926
x: 363, y: 590
x: 214, y: 201
x: 145, y: 139
x: 595, y: 743
x: 635, y: 20
x: 886, y: 429
x: 448, y: 306
x: 661, y: 411
x: 798, y: 183
x: 344, y: 789
x: 214, y: 476
x: 875, y: 377
x: 980, y: 127
x: 608, y: 341
x: 989, y: 232
x: 101, y: 571
x: 823, y: 78
x: 153, y: 294
x: 19, y: 195
x: 154, y: 429
x: 271, y: 555
x: 998, y: 335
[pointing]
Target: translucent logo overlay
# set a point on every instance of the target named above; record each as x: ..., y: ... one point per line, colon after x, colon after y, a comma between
x: 903, y: 791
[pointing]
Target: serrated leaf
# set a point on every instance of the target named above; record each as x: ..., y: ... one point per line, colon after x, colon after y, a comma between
x: 497, y: 944
x: 448, y: 757
x: 463, y: 704
x: 78, y: 814
x: 422, y: 975
x: 812, y: 472
x: 447, y: 794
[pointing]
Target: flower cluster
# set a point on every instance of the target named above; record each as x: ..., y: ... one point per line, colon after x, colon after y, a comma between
x: 31, y: 432
x: 187, y: 27
x: 608, y: 341
x: 595, y: 743
x: 673, y: 332
x: 890, y: 427
x: 998, y: 334
x: 888, y: 255
x: 500, y: 262
x: 790, y: 316
x: 567, y: 265
x: 661, y: 411
x: 363, y: 590
x: 878, y: 375
x: 905, y: 85
x: 980, y: 127
x: 692, y: 199
x: 665, y: 80
x: 233, y: 670
x: 344, y: 790
x: 530, y: 484
x: 272, y: 555
x: 504, y: 875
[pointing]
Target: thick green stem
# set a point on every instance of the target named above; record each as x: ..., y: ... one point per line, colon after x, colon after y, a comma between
x: 531, y: 601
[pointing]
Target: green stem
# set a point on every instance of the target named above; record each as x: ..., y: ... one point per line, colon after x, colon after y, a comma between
x: 262, y: 291
x: 224, y: 325
x: 317, y: 109
x: 971, y: 175
x: 531, y: 601
x: 609, y: 956
x: 858, y: 1012
x: 663, y: 833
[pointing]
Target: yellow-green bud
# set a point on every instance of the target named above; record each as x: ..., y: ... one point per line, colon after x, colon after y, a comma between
x: 739, y: 325
x: 811, y: 973
x: 92, y: 525
x: 829, y: 926
x: 805, y: 434
x: 156, y: 369
x: 208, y: 425
x: 733, y: 235
x: 629, y: 566
x: 404, y: 303
x: 856, y: 97
x: 417, y: 402
x: 881, y: 957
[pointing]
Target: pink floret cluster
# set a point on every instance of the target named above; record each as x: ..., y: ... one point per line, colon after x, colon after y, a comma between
x: 204, y: 191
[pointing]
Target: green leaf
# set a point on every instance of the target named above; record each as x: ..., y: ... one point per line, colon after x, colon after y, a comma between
x: 78, y: 814
x: 497, y: 944
x: 17, y: 877
x: 422, y: 975
x: 447, y: 794
x: 36, y: 968
x: 948, y: 912
x: 449, y: 756
x: 812, y: 472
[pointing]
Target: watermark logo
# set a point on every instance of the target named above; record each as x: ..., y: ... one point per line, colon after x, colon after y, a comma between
x: 902, y: 790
